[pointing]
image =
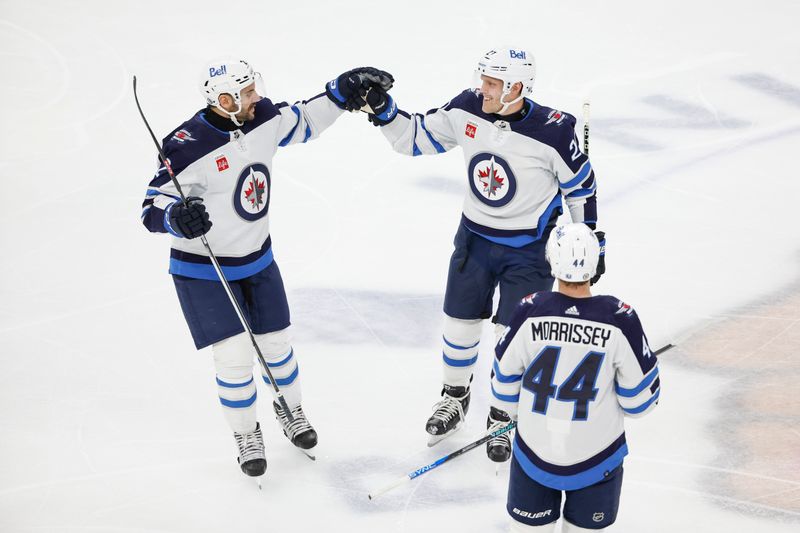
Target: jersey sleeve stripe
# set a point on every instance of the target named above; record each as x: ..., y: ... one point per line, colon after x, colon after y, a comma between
x: 630, y: 393
x: 582, y: 192
x: 439, y: 148
x: 579, y: 177
x: 167, y: 225
x: 511, y: 398
x: 644, y: 406
x: 289, y: 135
x: 415, y: 149
x: 503, y: 378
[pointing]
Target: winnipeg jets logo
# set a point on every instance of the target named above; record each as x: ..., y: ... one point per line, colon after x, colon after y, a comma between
x: 528, y: 299
x: 251, y: 195
x: 182, y: 136
x: 624, y: 309
x: 491, y: 179
x: 555, y: 116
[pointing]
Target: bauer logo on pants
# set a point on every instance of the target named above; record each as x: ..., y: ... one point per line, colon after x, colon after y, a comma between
x: 491, y: 179
x: 251, y: 195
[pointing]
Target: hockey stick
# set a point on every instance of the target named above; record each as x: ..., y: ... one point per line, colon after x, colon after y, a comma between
x: 663, y: 349
x: 217, y: 267
x: 586, y: 152
x: 586, y: 128
x: 418, y: 472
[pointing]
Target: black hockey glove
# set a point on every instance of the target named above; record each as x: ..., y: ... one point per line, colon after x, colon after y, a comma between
x: 601, y: 263
x: 189, y: 220
x: 349, y: 90
x: 382, y: 108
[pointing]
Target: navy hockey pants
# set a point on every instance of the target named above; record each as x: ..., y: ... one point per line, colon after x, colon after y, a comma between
x: 592, y: 507
x: 478, y: 266
x: 211, y: 316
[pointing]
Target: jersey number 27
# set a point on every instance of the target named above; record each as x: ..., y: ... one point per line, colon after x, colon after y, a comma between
x: 579, y: 387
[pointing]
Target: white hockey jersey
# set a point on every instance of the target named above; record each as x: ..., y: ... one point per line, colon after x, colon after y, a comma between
x: 569, y: 370
x: 232, y: 173
x: 517, y: 171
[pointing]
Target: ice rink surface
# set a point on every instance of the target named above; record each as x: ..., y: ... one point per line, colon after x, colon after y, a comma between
x: 110, y: 419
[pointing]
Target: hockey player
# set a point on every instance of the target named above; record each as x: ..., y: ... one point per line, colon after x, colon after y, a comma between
x: 569, y: 367
x: 521, y: 159
x: 222, y: 158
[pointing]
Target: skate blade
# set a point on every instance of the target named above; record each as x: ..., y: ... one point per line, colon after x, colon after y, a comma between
x: 308, y: 453
x: 433, y: 440
x: 258, y: 482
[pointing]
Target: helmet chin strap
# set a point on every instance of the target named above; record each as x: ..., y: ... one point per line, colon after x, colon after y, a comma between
x: 232, y: 115
x: 506, y: 92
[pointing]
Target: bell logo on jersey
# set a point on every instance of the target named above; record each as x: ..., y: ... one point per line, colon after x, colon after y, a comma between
x: 555, y: 116
x: 222, y: 163
x: 251, y: 195
x: 471, y: 130
x: 491, y: 179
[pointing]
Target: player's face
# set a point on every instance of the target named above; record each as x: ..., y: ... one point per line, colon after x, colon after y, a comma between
x: 249, y: 97
x: 492, y: 90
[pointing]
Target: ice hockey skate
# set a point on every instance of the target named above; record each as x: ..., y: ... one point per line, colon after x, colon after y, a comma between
x: 499, y: 448
x: 448, y: 413
x: 299, y: 430
x: 251, y: 458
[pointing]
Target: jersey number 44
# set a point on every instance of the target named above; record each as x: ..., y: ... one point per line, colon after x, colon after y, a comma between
x: 579, y: 387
